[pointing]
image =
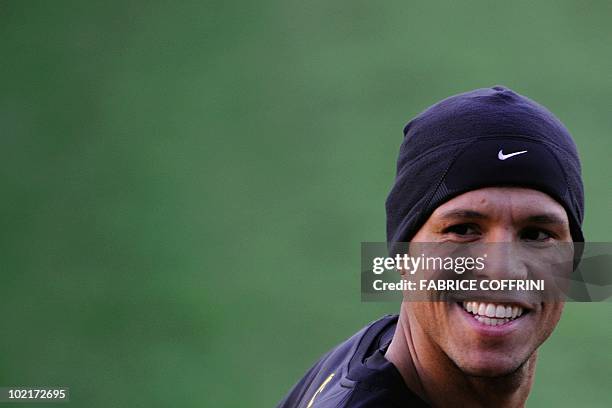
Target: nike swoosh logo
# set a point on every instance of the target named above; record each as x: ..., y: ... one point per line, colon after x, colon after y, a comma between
x: 502, y: 156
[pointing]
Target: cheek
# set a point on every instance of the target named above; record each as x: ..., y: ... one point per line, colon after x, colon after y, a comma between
x: 551, y: 313
x: 432, y: 317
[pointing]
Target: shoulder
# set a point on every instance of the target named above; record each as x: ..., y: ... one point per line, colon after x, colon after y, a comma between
x: 328, y: 383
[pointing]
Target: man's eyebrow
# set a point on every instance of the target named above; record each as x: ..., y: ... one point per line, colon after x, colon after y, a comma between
x: 463, y: 213
x: 548, y: 218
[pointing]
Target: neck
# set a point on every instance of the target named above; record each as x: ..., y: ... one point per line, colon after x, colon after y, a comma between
x: 432, y: 375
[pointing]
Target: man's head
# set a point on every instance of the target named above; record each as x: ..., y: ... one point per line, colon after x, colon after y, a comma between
x: 483, y: 138
x: 500, y: 215
x: 487, y: 166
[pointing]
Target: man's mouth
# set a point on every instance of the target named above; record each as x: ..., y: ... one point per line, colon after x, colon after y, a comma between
x: 493, y: 314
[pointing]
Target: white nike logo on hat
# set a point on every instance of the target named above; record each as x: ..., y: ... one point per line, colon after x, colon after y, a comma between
x: 502, y: 156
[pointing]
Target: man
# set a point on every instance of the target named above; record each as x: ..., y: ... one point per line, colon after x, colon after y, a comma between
x: 487, y: 166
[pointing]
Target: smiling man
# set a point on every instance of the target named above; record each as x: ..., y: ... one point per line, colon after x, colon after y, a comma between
x: 485, y: 167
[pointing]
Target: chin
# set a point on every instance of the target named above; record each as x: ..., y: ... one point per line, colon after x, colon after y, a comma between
x: 491, y: 365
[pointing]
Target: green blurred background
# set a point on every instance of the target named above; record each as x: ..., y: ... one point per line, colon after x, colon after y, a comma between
x: 186, y: 184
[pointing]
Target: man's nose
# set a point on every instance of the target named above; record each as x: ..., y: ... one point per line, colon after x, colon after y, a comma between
x: 501, y: 233
x: 503, y: 256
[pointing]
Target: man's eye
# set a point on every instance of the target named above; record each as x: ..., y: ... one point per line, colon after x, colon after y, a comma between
x: 535, y: 234
x: 461, y: 229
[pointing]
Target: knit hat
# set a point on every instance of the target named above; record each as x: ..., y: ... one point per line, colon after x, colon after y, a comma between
x: 483, y: 138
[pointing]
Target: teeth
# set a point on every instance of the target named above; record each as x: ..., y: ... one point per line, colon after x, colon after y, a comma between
x: 500, y: 311
x: 491, y: 321
x: 481, y: 309
x: 493, y: 314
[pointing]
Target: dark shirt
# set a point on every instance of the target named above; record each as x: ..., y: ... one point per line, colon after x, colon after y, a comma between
x: 355, y: 374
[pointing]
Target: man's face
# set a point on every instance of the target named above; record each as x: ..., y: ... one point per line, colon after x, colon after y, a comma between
x: 492, y: 215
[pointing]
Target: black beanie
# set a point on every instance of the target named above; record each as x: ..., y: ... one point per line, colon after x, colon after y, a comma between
x: 483, y: 138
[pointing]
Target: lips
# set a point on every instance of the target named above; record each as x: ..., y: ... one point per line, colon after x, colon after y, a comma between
x: 493, y: 314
